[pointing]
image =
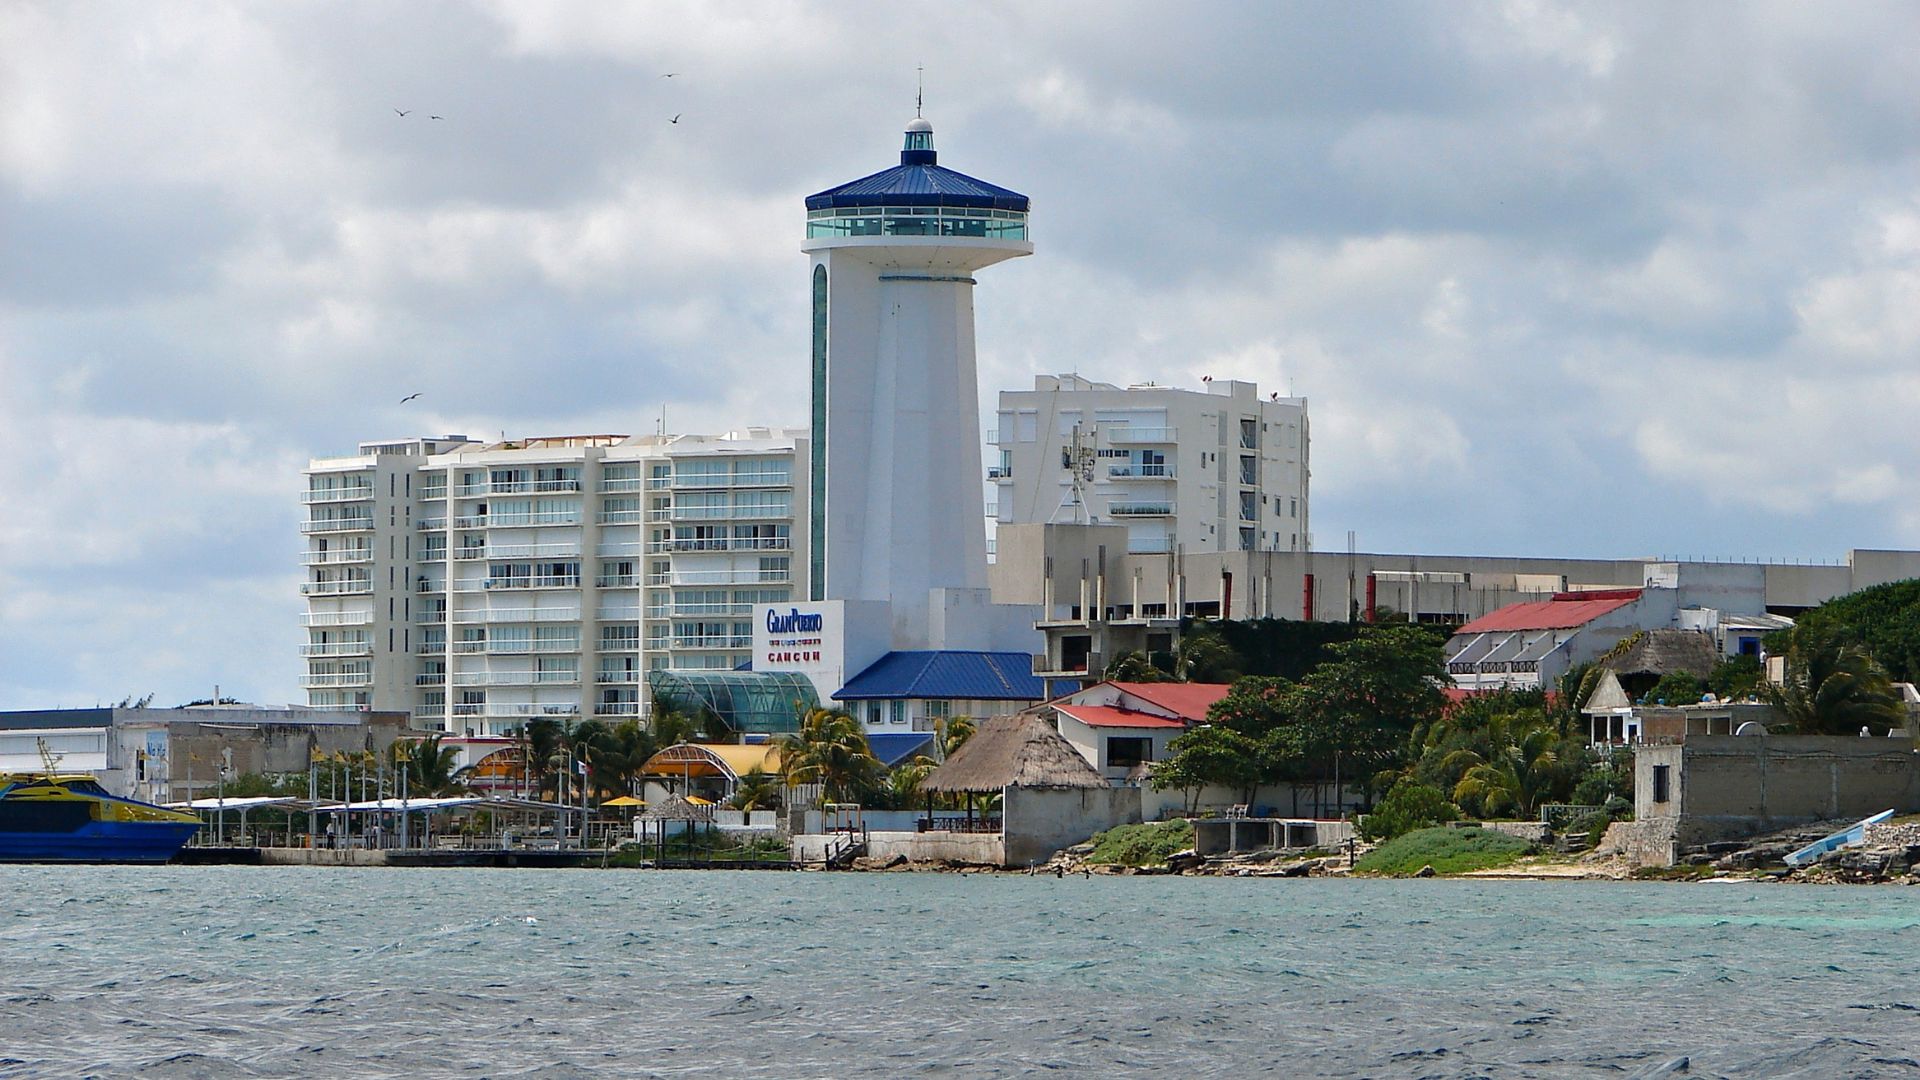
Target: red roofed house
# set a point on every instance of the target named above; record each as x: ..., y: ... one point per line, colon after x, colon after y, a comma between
x: 1121, y: 728
x: 1531, y: 645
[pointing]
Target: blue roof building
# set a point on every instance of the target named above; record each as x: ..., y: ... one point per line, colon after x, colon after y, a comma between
x: 910, y: 690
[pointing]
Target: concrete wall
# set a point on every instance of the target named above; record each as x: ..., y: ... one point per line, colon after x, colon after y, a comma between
x: 1725, y: 786
x: 970, y: 849
x: 1041, y: 821
x: 1219, y: 836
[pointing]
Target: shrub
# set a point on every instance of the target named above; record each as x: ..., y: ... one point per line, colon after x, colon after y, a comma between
x: 1408, y: 806
x: 1447, y: 850
x: 1141, y: 845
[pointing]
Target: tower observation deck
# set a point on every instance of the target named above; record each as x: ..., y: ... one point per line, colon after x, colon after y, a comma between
x: 896, y: 473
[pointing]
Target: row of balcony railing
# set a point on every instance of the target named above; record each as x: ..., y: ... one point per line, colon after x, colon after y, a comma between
x: 352, y: 493
x: 336, y: 618
x: 337, y: 648
x: 349, y: 678
x: 337, y: 555
x: 334, y: 525
x: 336, y: 588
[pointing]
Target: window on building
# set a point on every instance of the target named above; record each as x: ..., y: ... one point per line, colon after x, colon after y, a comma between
x: 1249, y: 507
x: 1249, y: 470
x: 1246, y: 539
x: 1249, y: 434
x: 1662, y: 783
x: 1125, y: 753
x: 896, y: 712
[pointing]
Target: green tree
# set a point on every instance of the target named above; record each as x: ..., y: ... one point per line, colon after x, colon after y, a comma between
x: 1135, y: 667
x: 1409, y: 805
x: 1884, y: 620
x: 1736, y: 677
x: 1834, y: 687
x: 757, y: 790
x: 830, y: 749
x: 1208, y: 754
x: 1354, y: 713
x: 1204, y: 656
x: 429, y: 766
x: 1677, y: 688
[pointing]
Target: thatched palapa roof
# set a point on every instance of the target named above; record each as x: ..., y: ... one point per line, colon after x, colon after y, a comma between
x: 1663, y: 652
x: 1013, y: 751
x: 677, y: 808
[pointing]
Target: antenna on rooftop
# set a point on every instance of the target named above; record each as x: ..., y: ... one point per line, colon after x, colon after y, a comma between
x: 920, y: 94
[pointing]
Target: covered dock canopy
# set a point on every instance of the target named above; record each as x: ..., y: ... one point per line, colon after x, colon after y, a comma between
x: 426, y: 806
x: 248, y: 802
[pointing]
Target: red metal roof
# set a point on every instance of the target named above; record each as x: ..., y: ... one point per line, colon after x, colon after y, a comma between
x: 1565, y: 610
x: 1189, y: 701
x: 1109, y: 716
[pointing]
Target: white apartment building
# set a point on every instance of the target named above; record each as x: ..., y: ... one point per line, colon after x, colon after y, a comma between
x: 1220, y: 469
x: 478, y: 585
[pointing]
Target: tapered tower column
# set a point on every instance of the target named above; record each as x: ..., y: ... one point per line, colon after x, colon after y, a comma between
x: 898, y: 511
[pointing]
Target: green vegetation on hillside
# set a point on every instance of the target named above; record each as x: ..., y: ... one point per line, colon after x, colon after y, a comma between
x: 1141, y: 845
x: 1447, y: 850
x: 1885, y: 619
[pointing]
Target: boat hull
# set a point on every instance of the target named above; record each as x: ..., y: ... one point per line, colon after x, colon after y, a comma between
x: 100, y: 842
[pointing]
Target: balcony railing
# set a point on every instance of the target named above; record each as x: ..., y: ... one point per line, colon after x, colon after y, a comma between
x: 522, y: 709
x: 537, y: 581
x: 431, y: 678
x: 334, y: 525
x: 722, y: 577
x: 515, y: 487
x: 605, y: 677
x: 515, y: 678
x: 1149, y: 545
x: 696, y: 610
x: 617, y: 581
x: 518, y: 647
x: 618, y: 614
x: 622, y: 517
x: 732, y: 480
x: 619, y: 484
x: 327, y: 495
x: 1141, y: 472
x: 337, y: 648
x: 1127, y: 433
x: 517, y: 551
x: 713, y: 641
x: 517, y: 615
x: 617, y: 708
x: 999, y: 472
x: 430, y: 647
x: 1140, y: 509
x: 336, y: 588
x: 430, y: 616
x: 505, y: 521
x: 434, y: 554
x: 431, y: 524
x: 728, y: 513
x: 437, y: 491
x: 764, y: 543
x: 336, y: 618
x: 350, y: 678
x: 619, y: 645
x: 343, y: 555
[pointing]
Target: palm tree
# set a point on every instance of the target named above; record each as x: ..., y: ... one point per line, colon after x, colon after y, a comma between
x: 757, y: 790
x: 830, y: 750
x: 951, y: 734
x: 429, y: 767
x: 1834, y: 687
x: 1515, y: 775
x: 1135, y: 666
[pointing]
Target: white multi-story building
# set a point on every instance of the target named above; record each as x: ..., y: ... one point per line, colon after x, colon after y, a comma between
x: 1222, y: 469
x: 481, y: 584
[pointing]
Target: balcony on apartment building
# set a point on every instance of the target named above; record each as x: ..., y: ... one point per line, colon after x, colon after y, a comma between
x: 337, y: 648
x: 517, y: 521
x: 336, y: 618
x: 711, y: 641
x: 1127, y: 433
x: 1140, y: 509
x: 336, y: 678
x: 518, y: 646
x: 618, y: 676
x: 516, y: 487
x: 720, y: 543
x: 691, y: 481
x: 338, y: 555
x: 516, y: 678
x: 334, y: 525
x: 517, y: 615
x: 516, y: 551
x: 336, y: 588
x: 352, y: 493
x: 1140, y: 472
x: 621, y: 485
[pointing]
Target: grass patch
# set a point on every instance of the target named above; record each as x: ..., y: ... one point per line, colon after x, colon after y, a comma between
x: 1448, y: 851
x: 1141, y: 845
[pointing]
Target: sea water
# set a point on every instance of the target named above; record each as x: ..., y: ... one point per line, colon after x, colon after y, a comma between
x: 246, y: 971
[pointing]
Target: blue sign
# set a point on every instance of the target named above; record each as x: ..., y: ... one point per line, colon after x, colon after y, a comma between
x: 794, y: 622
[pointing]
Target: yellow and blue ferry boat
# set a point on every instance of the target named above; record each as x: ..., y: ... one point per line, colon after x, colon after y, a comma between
x: 69, y: 817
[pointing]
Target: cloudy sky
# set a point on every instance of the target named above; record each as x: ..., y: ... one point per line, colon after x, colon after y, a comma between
x: 1557, y: 280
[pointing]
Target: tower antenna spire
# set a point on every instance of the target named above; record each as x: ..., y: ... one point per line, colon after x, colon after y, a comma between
x: 920, y: 93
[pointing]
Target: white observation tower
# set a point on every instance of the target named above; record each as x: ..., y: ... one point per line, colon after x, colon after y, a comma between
x: 896, y: 475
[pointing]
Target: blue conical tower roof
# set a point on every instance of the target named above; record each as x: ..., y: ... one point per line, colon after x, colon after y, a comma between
x: 918, y: 181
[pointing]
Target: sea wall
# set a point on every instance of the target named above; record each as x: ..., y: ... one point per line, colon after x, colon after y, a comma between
x: 1041, y: 821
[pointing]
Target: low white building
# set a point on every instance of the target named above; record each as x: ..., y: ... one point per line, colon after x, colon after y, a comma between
x: 1122, y: 728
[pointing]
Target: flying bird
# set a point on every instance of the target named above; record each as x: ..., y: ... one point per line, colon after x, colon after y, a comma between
x: 436, y: 118
x: 410, y: 397
x: 670, y: 74
x: 403, y: 112
x: 676, y: 118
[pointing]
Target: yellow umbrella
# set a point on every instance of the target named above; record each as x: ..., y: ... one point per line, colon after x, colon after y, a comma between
x: 698, y: 801
x: 624, y: 800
